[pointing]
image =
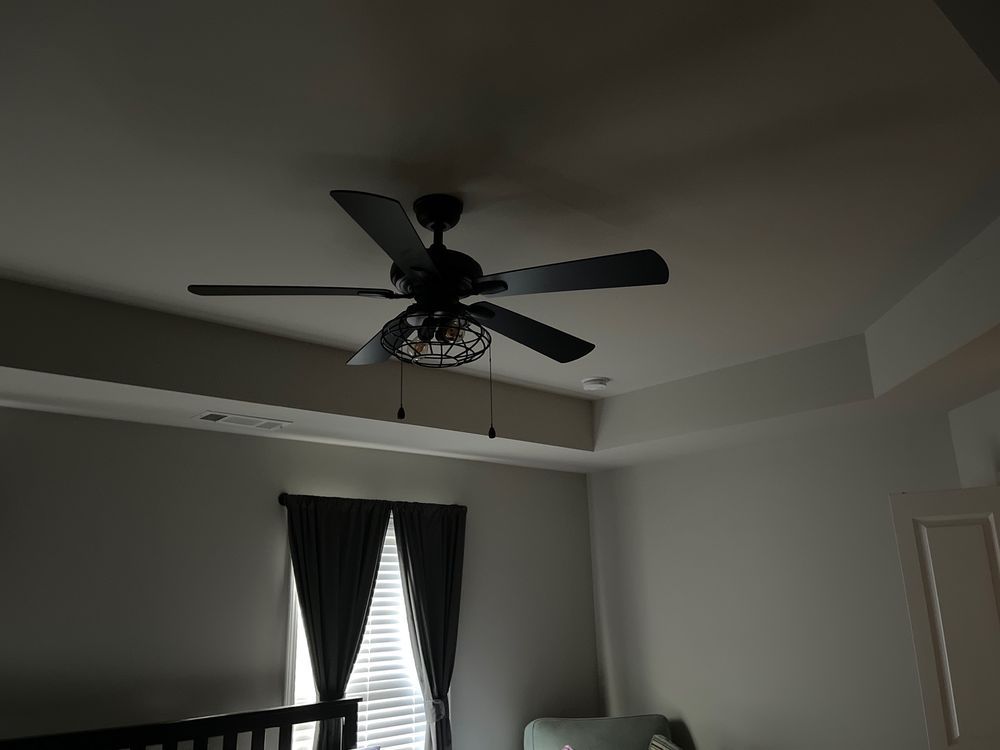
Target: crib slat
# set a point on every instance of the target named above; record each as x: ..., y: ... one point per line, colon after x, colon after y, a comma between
x: 349, y: 733
x: 285, y: 737
x: 257, y: 743
x: 229, y: 741
x: 201, y: 743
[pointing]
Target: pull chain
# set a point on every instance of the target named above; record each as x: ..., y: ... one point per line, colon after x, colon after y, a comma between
x: 401, y: 414
x: 492, y: 433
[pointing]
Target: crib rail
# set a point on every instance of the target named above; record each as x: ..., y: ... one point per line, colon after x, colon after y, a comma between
x: 199, y: 731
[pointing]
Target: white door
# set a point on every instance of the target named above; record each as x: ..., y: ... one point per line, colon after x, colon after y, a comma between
x: 950, y: 555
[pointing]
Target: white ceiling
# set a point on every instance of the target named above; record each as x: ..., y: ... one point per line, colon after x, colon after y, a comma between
x: 788, y: 159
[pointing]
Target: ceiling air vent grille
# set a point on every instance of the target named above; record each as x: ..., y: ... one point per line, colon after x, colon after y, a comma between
x: 243, y: 420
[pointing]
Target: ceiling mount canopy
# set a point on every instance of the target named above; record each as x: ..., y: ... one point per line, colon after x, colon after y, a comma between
x: 438, y: 330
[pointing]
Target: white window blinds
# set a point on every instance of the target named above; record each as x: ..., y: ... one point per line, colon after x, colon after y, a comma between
x: 391, y: 714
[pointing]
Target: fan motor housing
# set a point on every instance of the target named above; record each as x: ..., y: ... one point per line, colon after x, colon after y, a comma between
x: 457, y: 272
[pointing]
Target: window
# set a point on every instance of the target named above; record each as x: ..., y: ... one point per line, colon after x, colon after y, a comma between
x: 391, y: 715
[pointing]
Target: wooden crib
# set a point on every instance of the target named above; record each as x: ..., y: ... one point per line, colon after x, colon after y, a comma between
x: 198, y: 731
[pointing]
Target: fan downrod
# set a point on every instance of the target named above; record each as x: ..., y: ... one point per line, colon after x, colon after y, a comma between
x: 438, y: 212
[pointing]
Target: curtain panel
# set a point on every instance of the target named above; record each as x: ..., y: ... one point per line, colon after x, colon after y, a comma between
x: 335, y: 547
x: 431, y: 544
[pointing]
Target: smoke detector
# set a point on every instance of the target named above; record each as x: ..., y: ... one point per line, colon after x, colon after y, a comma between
x: 243, y: 420
x: 595, y: 384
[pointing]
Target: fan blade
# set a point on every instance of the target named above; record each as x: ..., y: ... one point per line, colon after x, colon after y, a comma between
x: 371, y: 353
x: 386, y: 222
x: 255, y: 290
x: 553, y: 343
x: 637, y: 268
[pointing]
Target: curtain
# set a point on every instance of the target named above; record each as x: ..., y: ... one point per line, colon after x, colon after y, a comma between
x: 335, y: 545
x: 430, y: 540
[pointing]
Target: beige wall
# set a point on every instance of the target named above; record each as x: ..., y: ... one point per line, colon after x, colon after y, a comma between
x: 975, y: 430
x: 755, y: 591
x: 143, y: 574
x: 95, y: 339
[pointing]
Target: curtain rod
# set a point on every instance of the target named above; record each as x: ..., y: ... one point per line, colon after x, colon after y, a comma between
x: 283, y: 500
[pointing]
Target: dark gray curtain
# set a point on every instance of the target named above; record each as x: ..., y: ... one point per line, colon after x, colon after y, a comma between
x: 335, y: 545
x: 430, y: 540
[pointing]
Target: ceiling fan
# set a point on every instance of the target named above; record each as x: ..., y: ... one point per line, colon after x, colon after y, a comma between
x: 438, y: 330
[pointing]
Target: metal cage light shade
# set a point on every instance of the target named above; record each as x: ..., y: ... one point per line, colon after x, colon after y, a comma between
x: 440, y: 338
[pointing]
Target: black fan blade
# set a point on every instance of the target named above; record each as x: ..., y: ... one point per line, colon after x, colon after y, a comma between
x: 637, y: 268
x: 371, y: 353
x: 386, y: 222
x: 256, y: 290
x: 553, y: 343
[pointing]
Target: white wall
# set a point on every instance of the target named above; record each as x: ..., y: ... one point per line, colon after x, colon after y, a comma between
x: 755, y: 591
x: 975, y: 430
x: 143, y: 575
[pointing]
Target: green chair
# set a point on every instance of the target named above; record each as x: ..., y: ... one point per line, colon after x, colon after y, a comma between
x: 616, y: 733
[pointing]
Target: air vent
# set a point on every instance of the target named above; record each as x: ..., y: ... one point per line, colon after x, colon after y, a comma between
x: 242, y: 420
